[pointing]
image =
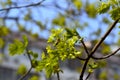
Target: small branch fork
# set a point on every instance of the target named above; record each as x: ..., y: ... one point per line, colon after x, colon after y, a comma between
x: 29, y: 69
x: 86, y: 50
x: 90, y: 55
x: 18, y: 7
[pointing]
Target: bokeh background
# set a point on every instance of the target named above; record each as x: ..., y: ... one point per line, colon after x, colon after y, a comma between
x: 37, y: 21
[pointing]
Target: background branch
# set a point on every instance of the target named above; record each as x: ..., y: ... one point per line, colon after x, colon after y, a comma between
x: 58, y: 76
x: 88, y: 76
x: 18, y: 7
x: 29, y: 69
x: 103, y: 38
x: 96, y: 47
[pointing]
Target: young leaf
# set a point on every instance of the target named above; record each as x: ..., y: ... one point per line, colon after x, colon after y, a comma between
x: 104, y: 8
x: 22, y: 70
x: 1, y: 42
x: 16, y: 48
x: 25, y: 40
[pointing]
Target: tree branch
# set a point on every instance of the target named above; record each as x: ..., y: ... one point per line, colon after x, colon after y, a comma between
x: 88, y: 76
x: 29, y: 69
x: 103, y: 38
x: 85, y: 47
x: 107, y: 56
x: 81, y: 58
x: 96, y: 47
x: 18, y: 7
x: 58, y: 76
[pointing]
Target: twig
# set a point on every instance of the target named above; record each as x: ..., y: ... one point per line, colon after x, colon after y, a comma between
x: 103, y: 38
x: 107, y: 56
x: 88, y: 76
x: 25, y: 74
x: 29, y: 69
x: 84, y: 68
x: 58, y: 76
x: 18, y: 7
x: 85, y: 47
x: 96, y: 47
x: 81, y: 58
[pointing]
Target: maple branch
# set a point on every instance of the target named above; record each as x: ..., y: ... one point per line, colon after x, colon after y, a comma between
x: 58, y: 76
x: 88, y: 76
x: 85, y: 47
x: 96, y: 47
x: 83, y: 59
x: 103, y: 38
x: 29, y: 69
x: 107, y: 56
x: 18, y: 7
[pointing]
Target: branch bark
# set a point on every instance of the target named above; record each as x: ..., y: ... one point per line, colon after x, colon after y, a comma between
x: 29, y: 69
x: 58, y: 76
x: 85, y: 47
x: 107, y: 56
x: 18, y: 7
x: 96, y: 47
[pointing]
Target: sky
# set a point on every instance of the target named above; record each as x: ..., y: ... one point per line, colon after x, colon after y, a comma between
x: 50, y: 14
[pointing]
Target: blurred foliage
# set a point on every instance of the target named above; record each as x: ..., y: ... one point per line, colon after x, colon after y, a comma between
x: 91, y: 10
x: 22, y: 69
x: 103, y: 75
x: 34, y: 78
x: 18, y: 47
x: 1, y: 43
x: 60, y: 21
x: 4, y: 31
x: 116, y: 76
x: 112, y: 7
x: 77, y: 4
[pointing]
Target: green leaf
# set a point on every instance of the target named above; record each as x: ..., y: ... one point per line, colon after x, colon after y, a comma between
x: 60, y: 20
x: 22, y: 70
x: 1, y: 42
x: 103, y: 75
x: 35, y: 55
x: 27, y: 17
x: 25, y: 40
x: 40, y: 25
x: 49, y: 71
x: 91, y: 10
x: 115, y: 13
x: 4, y: 31
x: 78, y: 4
x: 104, y: 7
x: 90, y: 70
x: 9, y: 2
x: 16, y: 48
x: 35, y: 63
x: 34, y: 78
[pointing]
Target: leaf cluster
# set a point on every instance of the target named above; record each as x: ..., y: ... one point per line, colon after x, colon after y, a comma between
x: 112, y: 7
x: 61, y: 46
x: 18, y: 47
